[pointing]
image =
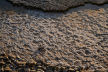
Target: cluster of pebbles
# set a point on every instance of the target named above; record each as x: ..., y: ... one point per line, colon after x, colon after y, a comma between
x: 76, y: 39
x: 16, y: 64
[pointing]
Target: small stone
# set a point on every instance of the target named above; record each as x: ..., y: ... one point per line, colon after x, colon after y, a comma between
x: 7, y: 69
x: 87, y: 52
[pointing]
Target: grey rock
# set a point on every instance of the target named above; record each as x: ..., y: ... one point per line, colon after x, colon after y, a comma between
x: 56, y: 5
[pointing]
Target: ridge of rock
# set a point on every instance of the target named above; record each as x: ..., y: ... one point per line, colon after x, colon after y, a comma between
x: 56, y: 5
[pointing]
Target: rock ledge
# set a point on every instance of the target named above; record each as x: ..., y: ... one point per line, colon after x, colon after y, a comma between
x: 56, y: 5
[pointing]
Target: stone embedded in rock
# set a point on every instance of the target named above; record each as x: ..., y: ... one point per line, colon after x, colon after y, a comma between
x: 56, y: 5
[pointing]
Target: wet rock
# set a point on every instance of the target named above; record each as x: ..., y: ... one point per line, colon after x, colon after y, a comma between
x: 56, y: 5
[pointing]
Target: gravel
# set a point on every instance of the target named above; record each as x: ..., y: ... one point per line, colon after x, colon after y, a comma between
x: 73, y: 38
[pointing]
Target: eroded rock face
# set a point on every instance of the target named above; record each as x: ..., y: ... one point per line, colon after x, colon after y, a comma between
x: 57, y: 5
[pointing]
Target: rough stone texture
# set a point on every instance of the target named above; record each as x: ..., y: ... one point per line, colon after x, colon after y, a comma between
x: 10, y: 63
x: 57, y: 5
x: 77, y: 38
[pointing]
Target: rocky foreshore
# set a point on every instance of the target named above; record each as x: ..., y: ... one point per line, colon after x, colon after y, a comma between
x: 76, y: 39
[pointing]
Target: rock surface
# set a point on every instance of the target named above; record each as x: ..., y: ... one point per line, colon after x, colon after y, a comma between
x: 56, y: 5
x: 78, y: 38
x: 10, y: 63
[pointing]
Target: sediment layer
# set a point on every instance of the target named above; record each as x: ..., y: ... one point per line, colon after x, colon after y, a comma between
x: 56, y: 5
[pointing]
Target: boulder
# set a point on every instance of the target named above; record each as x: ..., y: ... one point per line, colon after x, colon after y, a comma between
x: 56, y: 5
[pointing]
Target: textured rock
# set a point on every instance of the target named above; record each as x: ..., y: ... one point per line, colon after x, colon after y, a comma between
x: 76, y: 38
x: 57, y: 5
x: 10, y: 63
